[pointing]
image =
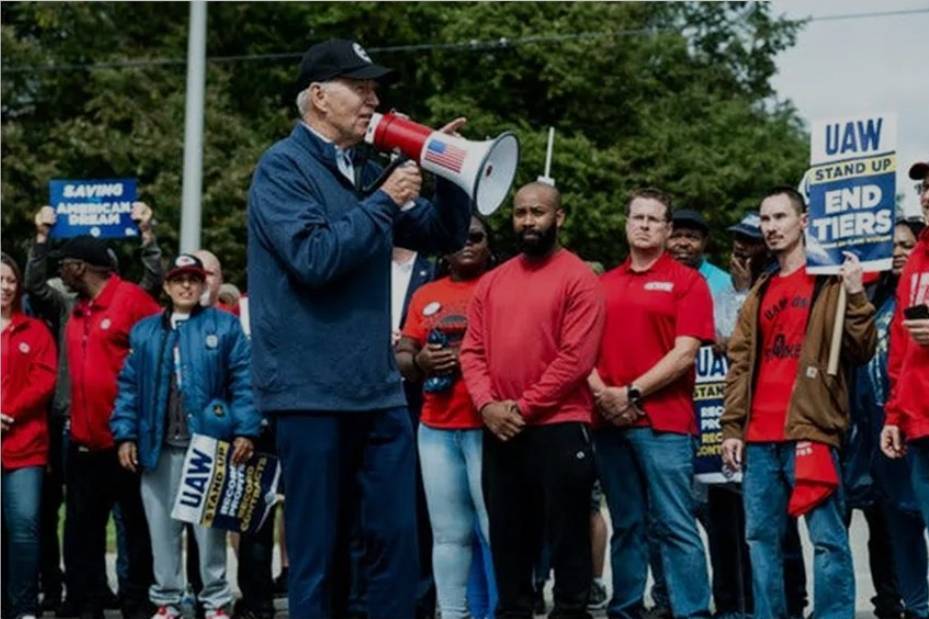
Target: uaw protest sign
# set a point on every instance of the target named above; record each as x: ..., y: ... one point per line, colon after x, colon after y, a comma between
x: 851, y: 186
x: 216, y: 493
x: 710, y: 386
x: 98, y: 207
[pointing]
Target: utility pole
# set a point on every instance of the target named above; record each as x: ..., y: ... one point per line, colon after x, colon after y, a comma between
x: 193, y: 129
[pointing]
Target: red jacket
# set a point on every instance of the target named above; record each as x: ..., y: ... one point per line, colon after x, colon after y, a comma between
x: 30, y: 363
x: 908, y: 362
x: 97, y: 336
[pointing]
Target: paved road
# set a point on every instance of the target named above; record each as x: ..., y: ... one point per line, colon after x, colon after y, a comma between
x: 864, y: 588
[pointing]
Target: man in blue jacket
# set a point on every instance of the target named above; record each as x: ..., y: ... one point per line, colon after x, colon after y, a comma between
x: 319, y: 282
x: 187, y: 373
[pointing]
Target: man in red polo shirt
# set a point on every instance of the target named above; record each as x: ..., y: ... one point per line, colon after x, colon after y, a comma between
x: 97, y: 342
x: 658, y: 313
x: 534, y: 325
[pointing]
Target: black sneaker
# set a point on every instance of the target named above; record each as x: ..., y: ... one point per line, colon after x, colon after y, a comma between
x: 598, y: 598
x: 280, y: 584
x: 67, y: 610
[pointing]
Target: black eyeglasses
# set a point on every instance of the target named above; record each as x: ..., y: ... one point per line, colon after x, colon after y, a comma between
x: 476, y: 237
x: 921, y: 187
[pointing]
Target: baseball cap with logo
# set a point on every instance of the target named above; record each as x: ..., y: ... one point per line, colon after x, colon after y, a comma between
x: 750, y: 226
x: 186, y: 263
x: 339, y: 58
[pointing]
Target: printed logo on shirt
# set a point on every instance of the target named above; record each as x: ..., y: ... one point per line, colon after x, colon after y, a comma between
x: 780, y: 349
x: 660, y: 286
x: 432, y: 308
x: 919, y: 288
x: 212, y: 341
x: 24, y: 348
x: 105, y: 324
x: 783, y: 303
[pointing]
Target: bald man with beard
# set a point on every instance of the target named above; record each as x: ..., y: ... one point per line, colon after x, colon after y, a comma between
x: 534, y: 329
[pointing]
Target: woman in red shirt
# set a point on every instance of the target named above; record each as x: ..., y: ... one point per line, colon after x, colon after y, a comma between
x: 450, y: 430
x: 29, y: 364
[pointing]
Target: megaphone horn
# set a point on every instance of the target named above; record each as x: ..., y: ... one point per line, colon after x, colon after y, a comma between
x: 484, y: 170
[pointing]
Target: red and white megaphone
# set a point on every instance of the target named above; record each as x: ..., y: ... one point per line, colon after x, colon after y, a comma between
x: 484, y: 170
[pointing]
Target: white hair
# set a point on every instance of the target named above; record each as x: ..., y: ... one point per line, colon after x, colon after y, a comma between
x: 303, y: 97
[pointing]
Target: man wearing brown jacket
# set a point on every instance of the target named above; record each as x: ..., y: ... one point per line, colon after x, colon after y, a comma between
x: 786, y: 414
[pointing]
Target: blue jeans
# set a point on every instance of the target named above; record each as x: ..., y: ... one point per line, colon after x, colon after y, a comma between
x: 906, y: 531
x: 482, y: 587
x: 22, y: 499
x: 920, y: 474
x: 451, y: 468
x: 644, y: 471
x: 766, y: 486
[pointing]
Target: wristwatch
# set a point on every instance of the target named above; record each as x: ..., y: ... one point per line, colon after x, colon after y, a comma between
x: 633, y: 394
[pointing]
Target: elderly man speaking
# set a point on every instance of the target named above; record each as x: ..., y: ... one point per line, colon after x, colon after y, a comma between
x: 319, y: 282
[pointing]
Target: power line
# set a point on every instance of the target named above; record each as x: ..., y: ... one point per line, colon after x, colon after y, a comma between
x: 470, y: 45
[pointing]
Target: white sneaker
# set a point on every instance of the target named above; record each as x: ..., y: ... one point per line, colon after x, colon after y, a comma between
x: 218, y: 613
x: 167, y: 612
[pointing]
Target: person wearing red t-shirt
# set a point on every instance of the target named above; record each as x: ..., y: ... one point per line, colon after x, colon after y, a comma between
x: 28, y: 365
x: 908, y: 364
x: 450, y: 433
x: 787, y: 416
x: 534, y: 326
x: 658, y: 313
x: 97, y: 341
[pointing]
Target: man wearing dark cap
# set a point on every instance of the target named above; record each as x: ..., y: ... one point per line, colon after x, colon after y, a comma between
x: 319, y: 256
x: 97, y: 341
x: 49, y: 301
x: 687, y: 244
x: 188, y: 373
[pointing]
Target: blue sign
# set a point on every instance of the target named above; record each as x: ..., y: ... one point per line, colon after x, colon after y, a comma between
x: 98, y: 207
x: 709, y: 389
x: 851, y: 189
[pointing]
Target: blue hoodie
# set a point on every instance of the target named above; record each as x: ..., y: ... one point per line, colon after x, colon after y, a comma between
x: 319, y: 277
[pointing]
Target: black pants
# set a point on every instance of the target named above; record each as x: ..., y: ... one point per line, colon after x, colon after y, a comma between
x: 732, y: 571
x: 96, y: 483
x: 50, y: 574
x: 886, y: 601
x: 537, y: 489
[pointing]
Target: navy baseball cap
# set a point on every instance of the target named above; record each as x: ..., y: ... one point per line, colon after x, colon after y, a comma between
x: 339, y: 58
x: 687, y: 218
x: 750, y: 226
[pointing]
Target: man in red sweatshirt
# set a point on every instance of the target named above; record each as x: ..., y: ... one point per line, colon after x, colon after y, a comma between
x: 534, y: 327
x: 97, y: 341
x: 907, y: 409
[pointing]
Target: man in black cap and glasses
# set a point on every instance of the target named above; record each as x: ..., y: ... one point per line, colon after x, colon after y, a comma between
x: 319, y: 256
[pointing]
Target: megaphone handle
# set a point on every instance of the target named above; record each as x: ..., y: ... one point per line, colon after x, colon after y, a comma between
x: 393, y: 165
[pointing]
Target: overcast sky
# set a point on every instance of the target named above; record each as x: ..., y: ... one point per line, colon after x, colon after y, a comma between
x: 861, y: 66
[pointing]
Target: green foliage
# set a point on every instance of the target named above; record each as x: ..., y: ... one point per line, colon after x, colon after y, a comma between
x: 677, y: 96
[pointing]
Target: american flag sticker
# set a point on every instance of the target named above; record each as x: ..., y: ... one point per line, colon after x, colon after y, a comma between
x: 448, y: 156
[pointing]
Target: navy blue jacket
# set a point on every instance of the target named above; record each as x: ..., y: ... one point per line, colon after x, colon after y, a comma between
x: 215, y: 359
x: 319, y: 277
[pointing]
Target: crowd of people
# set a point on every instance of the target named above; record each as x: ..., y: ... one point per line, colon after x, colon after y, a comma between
x: 448, y: 422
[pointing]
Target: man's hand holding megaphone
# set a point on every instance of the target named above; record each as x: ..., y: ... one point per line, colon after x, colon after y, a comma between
x: 484, y: 170
x: 405, y: 182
